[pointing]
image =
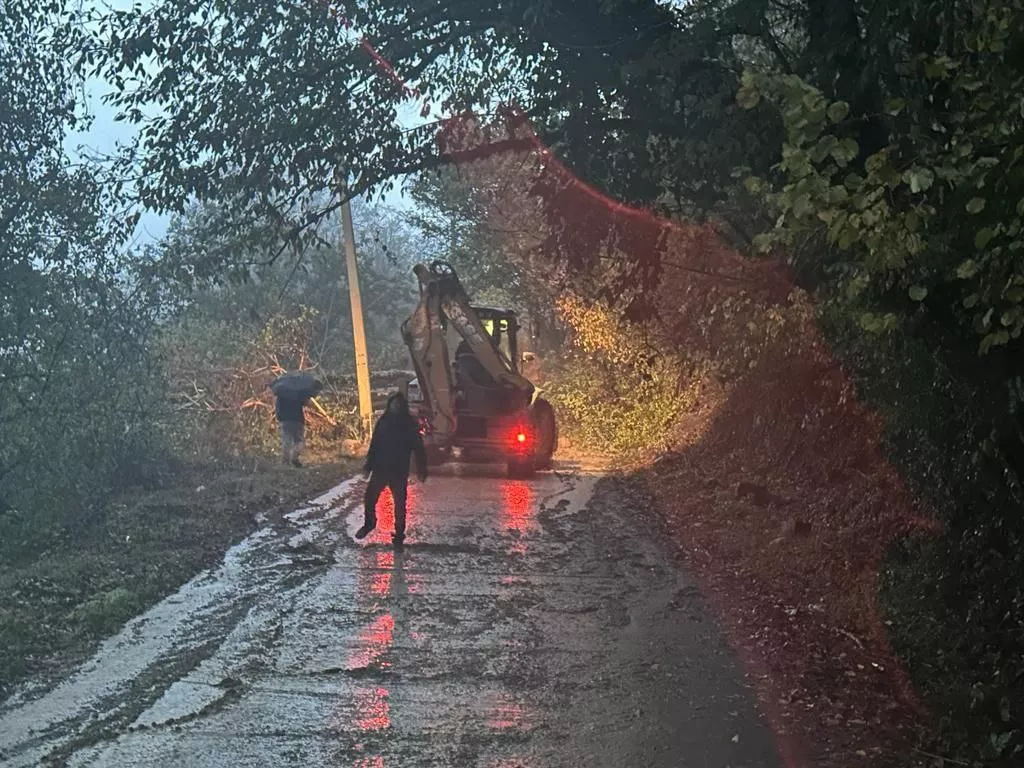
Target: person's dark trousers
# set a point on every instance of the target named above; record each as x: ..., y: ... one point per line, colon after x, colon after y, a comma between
x: 399, y: 492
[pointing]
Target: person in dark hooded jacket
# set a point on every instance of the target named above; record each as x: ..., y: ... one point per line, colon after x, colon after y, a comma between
x: 395, y: 439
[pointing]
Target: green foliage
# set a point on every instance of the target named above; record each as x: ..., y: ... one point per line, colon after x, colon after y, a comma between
x: 77, y: 390
x: 277, y: 312
x: 901, y: 204
x: 610, y: 392
x: 933, y: 210
x: 607, y: 408
x: 917, y: 235
x: 651, y: 123
x: 81, y: 404
x: 452, y: 215
x: 253, y: 279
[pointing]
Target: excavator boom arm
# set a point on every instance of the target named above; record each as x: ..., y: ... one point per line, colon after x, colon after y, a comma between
x: 443, y: 297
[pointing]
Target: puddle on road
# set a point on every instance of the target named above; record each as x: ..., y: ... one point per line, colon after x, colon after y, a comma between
x: 182, y: 700
x: 338, y: 497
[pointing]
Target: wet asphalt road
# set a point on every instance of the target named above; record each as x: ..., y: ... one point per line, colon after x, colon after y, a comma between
x: 528, y: 623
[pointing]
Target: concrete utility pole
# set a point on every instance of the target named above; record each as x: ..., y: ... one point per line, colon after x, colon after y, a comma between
x: 358, y: 331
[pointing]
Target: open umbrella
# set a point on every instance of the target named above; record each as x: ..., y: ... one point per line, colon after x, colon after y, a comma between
x: 297, y: 385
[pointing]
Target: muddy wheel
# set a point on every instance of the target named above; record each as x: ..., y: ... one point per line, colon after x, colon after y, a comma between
x: 547, y: 433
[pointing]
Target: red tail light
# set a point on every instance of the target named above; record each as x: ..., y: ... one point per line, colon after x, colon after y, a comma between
x: 521, y: 438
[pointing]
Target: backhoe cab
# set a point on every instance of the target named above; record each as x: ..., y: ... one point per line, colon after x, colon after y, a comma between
x: 477, y: 401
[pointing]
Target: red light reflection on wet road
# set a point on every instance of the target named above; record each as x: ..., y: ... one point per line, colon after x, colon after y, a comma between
x: 517, y: 507
x: 376, y: 761
x: 517, y: 511
x: 380, y: 582
x: 372, y: 644
x: 370, y: 709
x: 373, y: 713
x: 504, y: 716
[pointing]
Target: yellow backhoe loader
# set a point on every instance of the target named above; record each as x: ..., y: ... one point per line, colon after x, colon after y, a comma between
x: 477, y: 402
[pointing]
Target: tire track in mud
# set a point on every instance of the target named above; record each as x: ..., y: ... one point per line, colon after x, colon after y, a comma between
x: 134, y: 670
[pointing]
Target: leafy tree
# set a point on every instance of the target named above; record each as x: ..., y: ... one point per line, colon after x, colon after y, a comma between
x: 76, y: 385
x: 636, y: 96
x: 897, y: 196
x: 273, y: 313
x: 927, y: 216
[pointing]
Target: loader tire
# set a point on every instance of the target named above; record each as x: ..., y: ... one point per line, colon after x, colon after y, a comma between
x: 547, y: 433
